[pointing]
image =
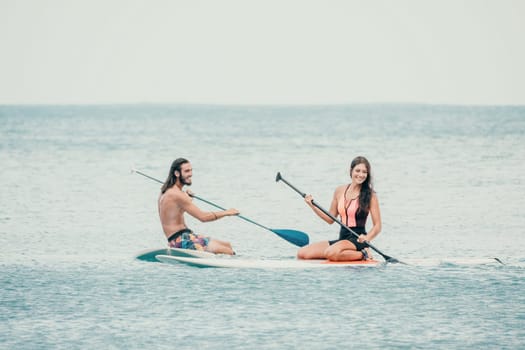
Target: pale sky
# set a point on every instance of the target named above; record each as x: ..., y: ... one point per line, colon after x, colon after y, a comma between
x: 262, y: 52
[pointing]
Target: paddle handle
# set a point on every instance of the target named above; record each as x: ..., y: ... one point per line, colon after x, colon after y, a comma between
x: 133, y: 170
x: 280, y: 178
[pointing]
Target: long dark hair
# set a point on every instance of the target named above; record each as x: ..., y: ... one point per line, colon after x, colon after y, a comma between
x: 172, y: 179
x: 367, y: 187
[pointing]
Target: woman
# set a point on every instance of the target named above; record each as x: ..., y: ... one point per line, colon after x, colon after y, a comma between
x: 352, y: 203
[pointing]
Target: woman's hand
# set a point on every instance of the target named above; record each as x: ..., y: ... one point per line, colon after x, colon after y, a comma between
x: 309, y: 199
x: 362, y: 238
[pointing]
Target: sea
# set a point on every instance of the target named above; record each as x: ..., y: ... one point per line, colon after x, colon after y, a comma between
x: 73, y: 216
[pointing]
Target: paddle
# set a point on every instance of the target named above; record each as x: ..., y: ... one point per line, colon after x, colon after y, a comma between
x: 293, y: 236
x: 386, y: 257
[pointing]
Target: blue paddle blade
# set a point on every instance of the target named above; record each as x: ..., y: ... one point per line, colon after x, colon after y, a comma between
x: 293, y: 236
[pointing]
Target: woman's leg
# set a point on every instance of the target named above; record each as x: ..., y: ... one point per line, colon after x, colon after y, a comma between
x: 343, y: 251
x: 313, y: 251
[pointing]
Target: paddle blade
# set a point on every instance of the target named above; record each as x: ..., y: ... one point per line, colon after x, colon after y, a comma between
x: 293, y: 236
x: 392, y: 260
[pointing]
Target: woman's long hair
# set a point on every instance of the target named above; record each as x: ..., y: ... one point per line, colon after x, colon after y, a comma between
x: 366, y: 187
x: 172, y: 179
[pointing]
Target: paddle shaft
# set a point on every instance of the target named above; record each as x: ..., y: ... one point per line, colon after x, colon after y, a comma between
x: 204, y: 200
x: 219, y: 207
x: 386, y: 257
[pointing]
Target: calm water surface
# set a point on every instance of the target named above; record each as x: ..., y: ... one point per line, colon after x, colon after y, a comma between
x: 72, y: 216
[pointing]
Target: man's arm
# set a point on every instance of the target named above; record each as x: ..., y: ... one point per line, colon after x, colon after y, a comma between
x: 203, y: 216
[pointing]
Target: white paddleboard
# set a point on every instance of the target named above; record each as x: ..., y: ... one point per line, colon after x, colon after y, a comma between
x: 235, y: 262
x: 232, y: 262
x: 150, y: 254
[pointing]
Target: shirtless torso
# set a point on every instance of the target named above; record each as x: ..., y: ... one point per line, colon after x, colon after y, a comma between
x: 174, y: 202
x: 172, y: 206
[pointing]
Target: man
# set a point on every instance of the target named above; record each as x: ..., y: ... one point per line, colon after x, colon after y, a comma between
x: 174, y: 202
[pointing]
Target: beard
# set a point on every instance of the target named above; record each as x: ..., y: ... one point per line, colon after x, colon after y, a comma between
x: 185, y: 181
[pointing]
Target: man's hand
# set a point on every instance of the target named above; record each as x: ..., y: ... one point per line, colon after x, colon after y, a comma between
x: 231, y: 212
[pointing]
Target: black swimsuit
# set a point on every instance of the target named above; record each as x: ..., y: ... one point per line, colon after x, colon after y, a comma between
x: 344, y: 234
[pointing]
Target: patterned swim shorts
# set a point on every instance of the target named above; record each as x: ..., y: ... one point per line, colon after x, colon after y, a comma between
x: 190, y: 240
